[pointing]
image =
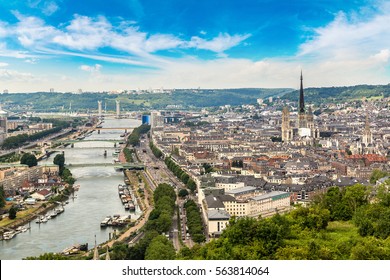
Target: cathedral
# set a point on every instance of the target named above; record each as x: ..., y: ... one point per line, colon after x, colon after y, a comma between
x: 304, y: 131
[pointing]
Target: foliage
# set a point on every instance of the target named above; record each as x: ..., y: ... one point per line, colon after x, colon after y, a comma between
x: 194, y: 221
x: 340, y: 94
x: 207, y: 168
x: 21, y: 139
x: 49, y: 256
x: 60, y: 161
x: 29, y: 159
x: 160, y: 249
x: 180, y: 174
x: 135, y: 135
x: 2, y: 197
x: 156, y: 151
x: 12, y: 213
x: 128, y: 154
x: 68, y: 177
x: 45, y: 101
x: 377, y: 174
x: 311, y: 217
x: 183, y: 193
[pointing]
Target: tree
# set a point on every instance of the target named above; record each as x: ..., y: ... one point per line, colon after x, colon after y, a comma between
x: 29, y: 159
x: 12, y: 213
x: 60, y: 161
x: 183, y: 193
x: 376, y: 175
x: 160, y: 249
x: 2, y: 197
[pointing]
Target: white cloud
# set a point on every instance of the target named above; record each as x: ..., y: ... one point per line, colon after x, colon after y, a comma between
x: 350, y: 37
x: 218, y: 44
x: 85, y: 33
x: 31, y: 31
x: 92, y: 69
x: 16, y: 76
x: 50, y: 8
x: 3, y: 29
x: 382, y: 56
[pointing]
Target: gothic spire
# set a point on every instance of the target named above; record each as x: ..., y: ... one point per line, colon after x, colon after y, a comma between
x: 301, y: 98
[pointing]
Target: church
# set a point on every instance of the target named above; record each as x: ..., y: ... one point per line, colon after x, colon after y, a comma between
x: 304, y: 130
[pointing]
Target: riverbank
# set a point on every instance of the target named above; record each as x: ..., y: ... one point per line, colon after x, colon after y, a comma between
x: 26, y: 216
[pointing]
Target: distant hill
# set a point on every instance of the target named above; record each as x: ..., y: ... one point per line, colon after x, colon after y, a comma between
x: 340, y: 94
x: 182, y: 98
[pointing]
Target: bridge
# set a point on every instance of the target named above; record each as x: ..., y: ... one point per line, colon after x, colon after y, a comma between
x: 112, y: 128
x: 71, y: 141
x: 119, y: 166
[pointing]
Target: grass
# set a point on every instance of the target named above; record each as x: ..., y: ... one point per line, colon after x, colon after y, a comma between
x: 19, y: 215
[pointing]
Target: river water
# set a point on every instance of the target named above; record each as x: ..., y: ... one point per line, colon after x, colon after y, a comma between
x: 96, y: 199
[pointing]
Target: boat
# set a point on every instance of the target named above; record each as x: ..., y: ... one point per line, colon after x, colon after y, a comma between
x: 105, y: 222
x: 9, y: 235
x: 53, y: 214
x: 74, y: 249
x: 131, y: 206
x: 22, y: 229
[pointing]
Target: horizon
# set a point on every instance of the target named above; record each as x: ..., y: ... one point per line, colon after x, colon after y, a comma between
x: 132, y: 45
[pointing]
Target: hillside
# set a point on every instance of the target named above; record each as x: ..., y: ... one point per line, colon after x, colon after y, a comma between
x: 184, y: 98
x: 340, y: 94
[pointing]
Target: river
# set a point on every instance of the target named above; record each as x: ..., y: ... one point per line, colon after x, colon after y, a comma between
x: 96, y: 199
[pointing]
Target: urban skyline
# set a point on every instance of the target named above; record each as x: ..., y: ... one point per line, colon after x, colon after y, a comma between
x: 133, y: 44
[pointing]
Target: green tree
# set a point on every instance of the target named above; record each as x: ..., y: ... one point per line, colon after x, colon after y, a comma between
x: 376, y: 175
x: 12, y: 213
x: 29, y: 159
x: 183, y: 193
x: 2, y: 197
x: 60, y: 161
x: 160, y: 249
x: 356, y: 196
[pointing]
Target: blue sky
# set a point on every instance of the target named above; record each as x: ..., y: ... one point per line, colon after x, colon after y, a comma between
x: 129, y: 44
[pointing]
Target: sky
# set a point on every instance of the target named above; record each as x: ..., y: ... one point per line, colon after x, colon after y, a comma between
x: 100, y: 45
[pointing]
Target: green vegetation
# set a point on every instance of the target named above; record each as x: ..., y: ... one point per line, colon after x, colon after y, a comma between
x: 128, y: 154
x: 194, y: 221
x: 67, y: 177
x: 29, y: 159
x: 378, y: 174
x: 56, y: 102
x: 2, y: 197
x: 156, y: 151
x: 135, y: 135
x: 21, y: 139
x: 160, y: 221
x: 207, y: 168
x: 160, y: 249
x: 60, y: 161
x: 11, y: 157
x: 341, y: 94
x: 341, y: 224
x: 180, y: 174
x: 12, y: 213
x: 183, y: 193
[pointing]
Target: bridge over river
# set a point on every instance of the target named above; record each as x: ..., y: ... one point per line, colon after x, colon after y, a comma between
x: 119, y: 166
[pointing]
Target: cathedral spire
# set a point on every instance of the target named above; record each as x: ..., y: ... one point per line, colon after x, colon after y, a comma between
x: 301, y: 98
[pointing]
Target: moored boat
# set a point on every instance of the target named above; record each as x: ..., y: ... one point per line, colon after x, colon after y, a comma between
x: 105, y: 222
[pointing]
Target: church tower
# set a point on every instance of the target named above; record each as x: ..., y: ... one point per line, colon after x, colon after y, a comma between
x: 301, y: 110
x: 286, y: 129
x: 367, y: 135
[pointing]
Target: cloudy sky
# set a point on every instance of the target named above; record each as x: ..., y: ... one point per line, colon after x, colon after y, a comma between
x: 129, y: 44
